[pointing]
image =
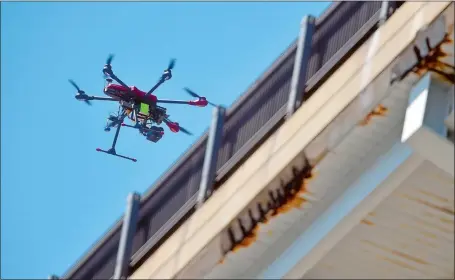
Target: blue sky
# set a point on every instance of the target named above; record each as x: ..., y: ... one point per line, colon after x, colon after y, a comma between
x: 58, y: 194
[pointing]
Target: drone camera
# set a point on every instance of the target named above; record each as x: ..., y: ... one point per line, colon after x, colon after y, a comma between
x: 155, y: 134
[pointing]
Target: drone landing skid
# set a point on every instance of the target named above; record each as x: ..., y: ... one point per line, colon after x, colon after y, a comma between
x: 113, y: 153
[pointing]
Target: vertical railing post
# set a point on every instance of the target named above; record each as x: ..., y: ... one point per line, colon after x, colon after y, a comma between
x: 384, y: 14
x: 302, y: 57
x: 211, y: 154
x: 127, y: 235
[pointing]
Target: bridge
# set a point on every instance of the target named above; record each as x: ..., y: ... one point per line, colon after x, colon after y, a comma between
x: 337, y: 162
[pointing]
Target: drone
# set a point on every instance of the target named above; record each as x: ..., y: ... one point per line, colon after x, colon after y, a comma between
x: 138, y: 106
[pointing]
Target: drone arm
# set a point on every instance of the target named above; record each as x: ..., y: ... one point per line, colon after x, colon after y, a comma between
x: 160, y: 82
x: 115, y: 78
x: 127, y: 125
x: 166, y: 101
x: 100, y: 98
x: 108, y: 71
x: 87, y: 98
x: 199, y: 102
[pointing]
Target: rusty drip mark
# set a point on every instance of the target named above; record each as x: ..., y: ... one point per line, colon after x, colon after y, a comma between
x: 430, y: 225
x: 367, y: 222
x: 442, y: 199
x: 399, y: 263
x: 432, y: 61
x: 247, y: 240
x: 396, y: 253
x: 409, y: 257
x: 282, y: 200
x: 445, y: 210
x: 423, y: 232
x: 380, y: 110
x: 446, y: 221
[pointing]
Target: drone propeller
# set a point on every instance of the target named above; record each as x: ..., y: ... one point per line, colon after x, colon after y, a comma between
x: 107, y: 67
x: 192, y: 93
x: 109, y: 59
x: 167, y: 75
x: 182, y: 129
x: 171, y: 64
x: 76, y: 86
x: 79, y: 91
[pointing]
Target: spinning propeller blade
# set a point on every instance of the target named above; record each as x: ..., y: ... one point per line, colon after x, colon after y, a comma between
x: 79, y: 91
x: 109, y: 59
x: 171, y: 64
x: 107, y: 66
x: 182, y: 129
x: 76, y: 86
x: 192, y: 93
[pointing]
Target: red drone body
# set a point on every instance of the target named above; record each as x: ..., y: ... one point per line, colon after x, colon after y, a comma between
x: 121, y: 92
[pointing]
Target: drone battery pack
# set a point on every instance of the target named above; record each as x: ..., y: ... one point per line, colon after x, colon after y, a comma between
x: 144, y: 109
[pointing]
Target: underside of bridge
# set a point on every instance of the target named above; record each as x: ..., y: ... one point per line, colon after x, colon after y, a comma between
x: 370, y: 195
x: 380, y: 204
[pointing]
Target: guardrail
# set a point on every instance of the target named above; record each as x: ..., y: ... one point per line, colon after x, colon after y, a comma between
x: 248, y: 122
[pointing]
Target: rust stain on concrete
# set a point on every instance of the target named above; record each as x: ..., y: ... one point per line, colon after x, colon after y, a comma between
x: 399, y: 263
x: 437, y: 197
x: 442, y: 209
x: 396, y: 252
x: 433, y: 61
x: 380, y: 110
x: 367, y: 222
x: 280, y: 201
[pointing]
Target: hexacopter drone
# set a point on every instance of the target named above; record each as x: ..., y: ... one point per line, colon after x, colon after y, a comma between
x: 139, y: 106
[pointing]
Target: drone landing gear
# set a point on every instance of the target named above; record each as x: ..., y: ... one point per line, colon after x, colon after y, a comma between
x: 112, y: 151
